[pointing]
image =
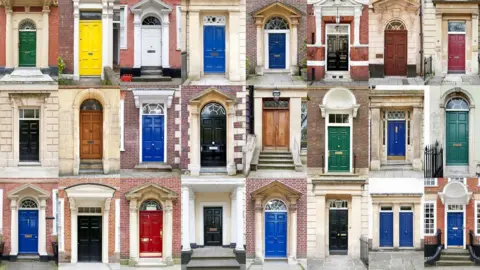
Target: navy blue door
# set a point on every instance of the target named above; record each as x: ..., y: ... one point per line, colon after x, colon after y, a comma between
x: 455, y: 229
x: 214, y: 49
x: 396, y: 138
x: 406, y: 229
x: 386, y: 229
x: 153, y: 138
x: 275, y: 234
x: 276, y: 50
x: 28, y: 231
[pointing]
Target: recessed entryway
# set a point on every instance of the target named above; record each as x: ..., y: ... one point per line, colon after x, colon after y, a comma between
x: 276, y: 229
x: 456, y: 46
x: 276, y: 124
x: 91, y: 129
x: 396, y: 45
x: 214, y: 44
x: 151, y: 229
x: 337, y: 54
x: 213, y: 230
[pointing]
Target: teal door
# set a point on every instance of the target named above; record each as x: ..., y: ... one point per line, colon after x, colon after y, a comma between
x: 27, y: 48
x: 457, y: 138
x: 338, y: 149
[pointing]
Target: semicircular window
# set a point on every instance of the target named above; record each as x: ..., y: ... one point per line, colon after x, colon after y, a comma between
x: 395, y: 25
x: 28, y: 203
x: 91, y: 105
x: 213, y: 109
x: 27, y: 25
x: 150, y: 205
x: 457, y: 104
x: 151, y: 21
x: 275, y: 205
x: 153, y: 108
x: 276, y: 23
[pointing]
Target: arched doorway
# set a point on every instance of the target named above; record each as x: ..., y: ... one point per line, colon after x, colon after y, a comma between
x: 151, y: 42
x: 396, y: 44
x: 457, y: 110
x: 151, y: 229
x: 91, y: 129
x: 276, y: 229
x: 276, y: 30
x: 213, y: 135
x: 27, y: 43
x: 153, y: 132
x: 28, y: 226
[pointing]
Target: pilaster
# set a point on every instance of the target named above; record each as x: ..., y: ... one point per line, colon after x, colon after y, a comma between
x: 375, y: 162
x: 240, y: 221
x: 105, y: 233
x: 185, y: 221
x: 134, y: 241
x: 137, y: 40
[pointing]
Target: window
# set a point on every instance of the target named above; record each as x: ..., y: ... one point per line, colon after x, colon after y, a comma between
x: 91, y: 105
x: 456, y: 27
x: 276, y: 23
x: 27, y: 114
x: 455, y: 207
x: 90, y: 210
x: 386, y: 208
x: 477, y: 217
x: 338, y: 204
x: 150, y: 205
x: 395, y: 25
x: 406, y: 208
x: 338, y: 118
x: 153, y: 108
x: 274, y: 104
x: 179, y: 27
x: 213, y: 109
x: 429, y: 219
x: 27, y: 25
x: 430, y: 182
x: 457, y: 104
x: 151, y: 21
x: 303, y: 140
x: 275, y: 205
x: 28, y: 204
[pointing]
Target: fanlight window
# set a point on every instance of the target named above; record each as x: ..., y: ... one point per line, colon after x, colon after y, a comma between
x: 153, y: 108
x: 395, y: 25
x: 27, y: 25
x: 275, y: 205
x: 337, y: 204
x: 28, y: 203
x: 213, y: 109
x: 457, y: 104
x: 151, y: 21
x: 91, y: 105
x: 150, y: 205
x: 276, y: 23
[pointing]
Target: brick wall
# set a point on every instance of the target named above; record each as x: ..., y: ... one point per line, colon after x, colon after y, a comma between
x: 53, y: 36
x: 65, y: 30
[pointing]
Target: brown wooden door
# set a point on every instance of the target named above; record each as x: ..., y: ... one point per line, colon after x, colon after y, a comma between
x: 456, y: 53
x: 91, y: 135
x: 276, y: 129
x: 396, y: 53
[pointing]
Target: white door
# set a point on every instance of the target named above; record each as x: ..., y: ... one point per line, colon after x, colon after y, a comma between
x: 151, y: 46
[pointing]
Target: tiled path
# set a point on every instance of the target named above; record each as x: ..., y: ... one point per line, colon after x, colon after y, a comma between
x: 408, y: 260
x: 336, y: 262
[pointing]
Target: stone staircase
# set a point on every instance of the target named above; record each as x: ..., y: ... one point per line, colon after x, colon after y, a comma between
x: 397, y: 165
x: 28, y: 258
x: 91, y: 166
x: 151, y: 74
x: 216, y: 258
x: 455, y: 257
x: 153, y: 167
x: 275, y: 160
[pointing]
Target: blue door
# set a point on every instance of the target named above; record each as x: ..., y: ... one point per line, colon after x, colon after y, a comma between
x: 406, y: 229
x: 276, y: 50
x: 214, y: 49
x: 153, y: 138
x: 396, y: 138
x: 386, y: 229
x: 28, y: 231
x: 455, y: 229
x: 275, y: 234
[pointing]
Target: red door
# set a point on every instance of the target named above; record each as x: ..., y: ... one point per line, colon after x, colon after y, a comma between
x: 396, y: 53
x: 456, y: 53
x: 151, y: 233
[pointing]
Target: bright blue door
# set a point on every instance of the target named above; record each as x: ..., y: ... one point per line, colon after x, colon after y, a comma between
x: 276, y: 50
x: 455, y: 229
x: 28, y: 231
x: 275, y: 234
x: 214, y: 49
x: 396, y: 138
x: 386, y: 229
x: 406, y: 229
x: 153, y: 138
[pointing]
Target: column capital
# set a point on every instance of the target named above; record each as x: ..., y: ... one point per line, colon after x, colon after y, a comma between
x: 168, y: 209
x: 293, y: 207
x: 73, y: 204
x: 258, y: 208
x: 107, y: 204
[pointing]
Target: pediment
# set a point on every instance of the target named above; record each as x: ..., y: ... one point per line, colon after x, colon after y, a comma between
x: 382, y: 5
x: 151, y: 190
x: 274, y: 7
x: 276, y: 187
x: 156, y: 4
x: 209, y: 93
x: 90, y: 191
x: 341, y: 3
x: 28, y: 189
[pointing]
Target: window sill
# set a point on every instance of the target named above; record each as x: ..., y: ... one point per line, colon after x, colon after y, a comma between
x: 30, y: 163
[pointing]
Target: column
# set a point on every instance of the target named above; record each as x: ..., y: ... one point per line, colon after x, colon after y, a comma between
x: 375, y: 140
x: 105, y: 234
x: 354, y: 226
x: 165, y: 43
x: 195, y: 53
x: 42, y: 229
x: 258, y: 230
x: 137, y: 40
x: 321, y: 237
x: 294, y: 46
x: 109, y: 62
x: 474, y: 61
x: 318, y: 26
x: 76, y: 45
x: 240, y: 221
x: 14, y: 228
x: 233, y: 223
x: 45, y: 31
x: 356, y: 25
x: 195, y: 141
x: 192, y: 218
x: 375, y: 226
x: 231, y: 166
x: 168, y: 233
x: 439, y: 61
x: 260, y: 52
x: 105, y: 35
x: 396, y: 227
x: 417, y: 224
x: 73, y: 231
x: 134, y: 241
x: 185, y: 224
x: 9, y: 39
x: 417, y: 138
x: 292, y: 258
x: 233, y: 46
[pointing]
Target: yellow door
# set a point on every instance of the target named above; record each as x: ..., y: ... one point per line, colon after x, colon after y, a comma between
x: 90, y: 48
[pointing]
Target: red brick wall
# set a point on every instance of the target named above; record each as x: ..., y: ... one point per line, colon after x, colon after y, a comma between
x: 298, y: 184
x: 3, y: 29
x: 65, y: 30
x: 53, y: 36
x: 173, y: 184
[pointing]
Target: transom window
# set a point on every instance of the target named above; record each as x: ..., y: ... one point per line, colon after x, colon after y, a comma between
x: 429, y: 218
x: 213, y: 109
x: 91, y: 15
x: 396, y: 115
x: 457, y: 104
x: 336, y: 29
x: 338, y: 204
x: 153, y: 108
x: 395, y: 25
x: 456, y: 27
x: 272, y: 104
x: 455, y: 207
x: 150, y: 205
x: 276, y: 23
x: 275, y: 205
x: 28, y: 204
x: 214, y: 20
x: 27, y: 25
x: 406, y: 208
x: 150, y: 20
x: 338, y: 118
x: 386, y: 208
x: 29, y: 114
x: 90, y: 210
x: 430, y: 182
x: 91, y: 105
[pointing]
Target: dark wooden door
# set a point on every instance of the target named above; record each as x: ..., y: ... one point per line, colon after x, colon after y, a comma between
x: 91, y: 134
x: 213, y: 137
x: 212, y: 219
x: 151, y: 233
x: 29, y: 140
x: 276, y: 125
x: 456, y: 53
x: 396, y: 53
x: 89, y: 239
x: 338, y: 228
x: 337, y: 54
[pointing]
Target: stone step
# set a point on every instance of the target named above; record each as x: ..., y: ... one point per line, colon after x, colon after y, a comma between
x: 455, y: 251
x: 273, y: 152
x: 28, y: 258
x: 223, y: 264
x: 150, y: 262
x: 443, y: 262
x: 266, y: 156
x: 151, y: 78
x: 152, y: 72
x: 90, y: 161
x: 396, y: 168
x: 153, y: 167
x: 276, y: 166
x: 455, y: 257
x: 91, y: 166
x: 90, y: 171
x: 275, y: 161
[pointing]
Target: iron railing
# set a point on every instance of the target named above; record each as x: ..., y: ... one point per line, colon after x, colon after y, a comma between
x: 428, y: 67
x: 364, y: 250
x: 433, y: 161
x: 433, y: 248
x: 474, y: 247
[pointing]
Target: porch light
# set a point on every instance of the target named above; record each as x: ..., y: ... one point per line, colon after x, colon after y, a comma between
x: 276, y: 94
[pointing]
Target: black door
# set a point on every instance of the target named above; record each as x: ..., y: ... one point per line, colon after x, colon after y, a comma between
x: 212, y: 217
x: 213, y: 140
x: 338, y: 231
x: 337, y: 57
x: 89, y: 239
x: 29, y: 139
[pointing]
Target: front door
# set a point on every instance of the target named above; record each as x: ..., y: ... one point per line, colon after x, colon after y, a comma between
x: 213, y: 136
x: 153, y: 138
x: 457, y: 138
x: 276, y: 50
x: 214, y: 49
x: 406, y: 229
x: 28, y: 231
x: 339, y: 149
x: 275, y: 234
x: 337, y: 54
x: 27, y: 48
x: 151, y: 233
x: 456, y: 53
x: 338, y: 228
x: 89, y: 238
x: 455, y: 229
x: 212, y: 217
x: 396, y: 140
x: 396, y: 53
x: 276, y: 125
x: 29, y: 140
x: 386, y: 229
x: 91, y: 48
x: 151, y: 46
x: 91, y: 135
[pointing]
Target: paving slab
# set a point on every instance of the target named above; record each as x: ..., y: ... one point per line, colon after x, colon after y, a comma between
x: 213, y: 80
x: 89, y: 266
x: 396, y: 174
x: 276, y: 266
x: 273, y: 79
x: 29, y: 265
x: 336, y: 262
x: 454, y: 79
x: 397, y: 80
x: 408, y: 260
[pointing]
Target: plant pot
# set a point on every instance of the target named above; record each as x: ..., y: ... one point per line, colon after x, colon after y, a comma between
x: 55, y: 251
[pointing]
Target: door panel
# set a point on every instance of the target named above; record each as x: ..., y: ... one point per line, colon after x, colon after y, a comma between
x: 151, y: 233
x: 455, y: 229
x: 212, y: 217
x: 275, y: 234
x: 337, y: 54
x: 386, y: 229
x: 457, y: 138
x: 151, y: 46
x: 396, y: 139
x: 339, y: 149
x: 91, y: 134
x: 276, y: 50
x: 213, y: 141
x: 153, y: 142
x: 456, y: 53
x: 406, y: 229
x: 338, y: 230
x: 396, y: 53
x: 89, y: 238
x: 276, y: 129
x: 29, y: 140
x: 28, y: 231
x: 27, y: 48
x: 90, y: 48
x: 214, y: 49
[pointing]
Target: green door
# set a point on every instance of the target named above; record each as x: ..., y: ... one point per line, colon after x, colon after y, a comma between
x: 457, y: 138
x: 27, y: 52
x: 338, y: 149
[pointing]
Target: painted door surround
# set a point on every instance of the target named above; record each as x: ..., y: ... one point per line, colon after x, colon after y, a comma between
x: 457, y: 137
x: 28, y: 231
x: 338, y: 224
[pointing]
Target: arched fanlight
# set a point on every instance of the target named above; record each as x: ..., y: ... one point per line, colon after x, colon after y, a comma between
x: 276, y: 23
x: 213, y: 109
x: 395, y: 25
x: 150, y: 20
x: 457, y: 104
x: 91, y: 105
x: 28, y: 204
x: 275, y: 205
x: 150, y: 205
x: 27, y: 25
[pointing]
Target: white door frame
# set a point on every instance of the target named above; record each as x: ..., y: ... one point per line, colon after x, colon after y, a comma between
x: 287, y: 47
x: 380, y: 210
x: 140, y: 126
x: 349, y: 125
x: 223, y: 205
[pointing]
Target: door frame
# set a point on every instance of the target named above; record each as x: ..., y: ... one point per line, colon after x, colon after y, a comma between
x: 448, y: 44
x: 349, y: 125
x: 380, y: 211
x: 470, y: 113
x: 413, y: 225
x: 464, y: 229
x: 102, y: 60
x: 267, y: 51
x: 140, y: 128
x: 287, y: 225
x: 326, y: 45
x: 102, y: 111
x: 38, y: 224
x: 163, y: 226
x: 40, y: 135
x: 223, y: 205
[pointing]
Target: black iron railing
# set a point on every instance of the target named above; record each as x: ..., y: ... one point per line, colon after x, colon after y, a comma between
x: 474, y: 247
x: 433, y: 248
x: 428, y: 67
x: 364, y: 250
x: 433, y: 161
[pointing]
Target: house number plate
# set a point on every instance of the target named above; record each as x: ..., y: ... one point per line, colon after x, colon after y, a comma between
x: 91, y: 142
x: 150, y: 51
x: 276, y: 55
x: 339, y: 153
x: 212, y: 229
x: 457, y: 145
x: 28, y: 236
x: 213, y: 148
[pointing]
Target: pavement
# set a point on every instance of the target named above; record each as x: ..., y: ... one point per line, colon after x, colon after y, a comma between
x: 214, y: 79
x: 275, y: 265
x: 451, y: 267
x: 28, y: 265
x: 337, y: 83
x: 454, y: 79
x: 397, y: 80
x: 124, y: 173
x: 89, y: 266
x: 336, y: 262
x: 273, y: 79
x: 396, y: 174
x: 396, y: 260
x: 126, y: 267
